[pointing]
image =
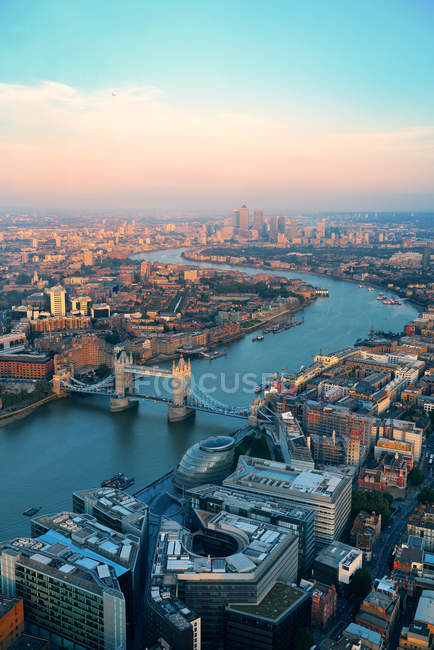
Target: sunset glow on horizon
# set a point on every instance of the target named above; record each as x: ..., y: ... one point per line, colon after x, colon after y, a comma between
x: 148, y: 139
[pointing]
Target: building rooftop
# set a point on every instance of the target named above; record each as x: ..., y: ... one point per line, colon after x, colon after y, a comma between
x: 425, y: 608
x: 270, y: 476
x: 84, y: 532
x: 338, y: 553
x: 274, y: 605
x: 359, y: 631
x: 64, y: 563
x: 117, y: 504
x: 249, y: 502
x: 6, y: 604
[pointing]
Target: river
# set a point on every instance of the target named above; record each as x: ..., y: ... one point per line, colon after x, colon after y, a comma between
x: 76, y: 442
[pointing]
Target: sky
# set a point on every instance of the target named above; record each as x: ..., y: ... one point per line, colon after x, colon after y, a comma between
x: 188, y: 105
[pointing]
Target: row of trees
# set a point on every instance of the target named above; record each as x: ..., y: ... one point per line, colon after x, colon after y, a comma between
x: 41, y: 389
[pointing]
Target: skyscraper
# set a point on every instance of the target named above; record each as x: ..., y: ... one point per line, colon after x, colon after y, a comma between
x: 236, y: 218
x: 320, y: 229
x: 426, y: 257
x: 258, y: 220
x: 57, y: 301
x: 244, y: 217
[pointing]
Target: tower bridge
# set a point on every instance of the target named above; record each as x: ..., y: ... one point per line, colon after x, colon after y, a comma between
x: 186, y: 396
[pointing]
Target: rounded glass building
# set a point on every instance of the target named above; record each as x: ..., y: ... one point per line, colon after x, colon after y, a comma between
x: 208, y: 461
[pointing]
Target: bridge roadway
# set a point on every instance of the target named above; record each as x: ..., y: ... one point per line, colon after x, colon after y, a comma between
x: 191, y: 403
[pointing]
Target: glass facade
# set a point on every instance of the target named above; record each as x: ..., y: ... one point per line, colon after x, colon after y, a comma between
x: 208, y: 461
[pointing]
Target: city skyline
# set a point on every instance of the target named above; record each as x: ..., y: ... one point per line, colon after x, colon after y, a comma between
x: 181, y: 108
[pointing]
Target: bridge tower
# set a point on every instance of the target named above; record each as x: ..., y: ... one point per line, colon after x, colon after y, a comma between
x: 181, y: 378
x: 123, y: 381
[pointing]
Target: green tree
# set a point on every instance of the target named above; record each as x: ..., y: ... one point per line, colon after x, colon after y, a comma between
x: 102, y: 371
x: 303, y: 639
x: 416, y: 476
x: 361, y: 583
x: 374, y: 501
x: 426, y: 495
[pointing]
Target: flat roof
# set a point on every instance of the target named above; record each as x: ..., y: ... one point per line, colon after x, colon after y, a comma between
x: 274, y: 605
x: 54, y: 537
x: 425, y: 607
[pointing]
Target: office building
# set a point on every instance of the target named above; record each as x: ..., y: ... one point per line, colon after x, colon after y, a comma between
x: 270, y: 624
x: 69, y: 596
x: 258, y: 220
x: 208, y: 461
x: 81, y: 304
x: 101, y: 310
x: 82, y: 533
x: 11, y: 620
x: 145, y: 269
x: 295, y: 447
x: 228, y: 559
x: 336, y: 564
x: 299, y: 520
x: 328, y: 493
x: 236, y: 218
x: 57, y: 301
x: 244, y: 218
x: 114, y: 509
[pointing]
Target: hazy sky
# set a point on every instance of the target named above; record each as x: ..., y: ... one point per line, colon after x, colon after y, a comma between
x: 179, y: 105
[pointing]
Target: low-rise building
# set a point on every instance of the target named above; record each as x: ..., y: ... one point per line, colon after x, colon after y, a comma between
x: 425, y: 610
x: 26, y: 366
x: 365, y: 532
x: 324, y: 602
x: 416, y: 636
x: 337, y: 563
x: 379, y: 610
x: 421, y: 524
x: 11, y: 620
x: 363, y: 637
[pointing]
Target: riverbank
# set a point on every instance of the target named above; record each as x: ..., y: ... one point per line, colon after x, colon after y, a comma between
x: 18, y: 414
x: 334, y: 276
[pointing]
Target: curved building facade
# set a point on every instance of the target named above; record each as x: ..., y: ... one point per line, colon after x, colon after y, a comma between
x: 208, y: 461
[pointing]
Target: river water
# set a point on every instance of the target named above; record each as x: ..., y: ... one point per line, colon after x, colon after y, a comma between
x: 76, y: 442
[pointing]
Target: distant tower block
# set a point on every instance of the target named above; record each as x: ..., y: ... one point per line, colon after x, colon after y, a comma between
x: 181, y: 377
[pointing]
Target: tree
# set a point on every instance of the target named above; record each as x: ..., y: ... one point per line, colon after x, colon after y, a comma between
x: 374, y: 501
x: 426, y: 495
x: 361, y: 583
x: 416, y: 476
x: 102, y: 371
x: 303, y: 639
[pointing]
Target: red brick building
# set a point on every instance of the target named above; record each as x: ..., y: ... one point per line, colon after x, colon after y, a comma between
x: 324, y: 604
x: 26, y: 366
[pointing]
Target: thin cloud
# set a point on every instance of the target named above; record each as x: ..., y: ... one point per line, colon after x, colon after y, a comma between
x: 57, y: 139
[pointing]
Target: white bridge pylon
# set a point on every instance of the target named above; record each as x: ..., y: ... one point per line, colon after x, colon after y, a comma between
x: 187, y: 397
